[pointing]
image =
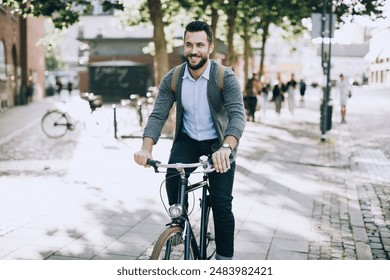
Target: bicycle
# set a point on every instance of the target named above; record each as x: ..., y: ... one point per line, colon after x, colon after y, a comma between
x: 56, y: 122
x: 178, y: 240
x: 142, y: 104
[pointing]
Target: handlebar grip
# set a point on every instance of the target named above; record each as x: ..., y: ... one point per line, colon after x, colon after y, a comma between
x: 153, y: 163
x: 150, y: 162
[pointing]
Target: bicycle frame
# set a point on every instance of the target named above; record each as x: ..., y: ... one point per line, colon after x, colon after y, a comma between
x: 199, y: 250
x: 190, y: 241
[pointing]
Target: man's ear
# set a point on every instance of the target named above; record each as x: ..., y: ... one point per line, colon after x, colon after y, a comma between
x: 211, y: 49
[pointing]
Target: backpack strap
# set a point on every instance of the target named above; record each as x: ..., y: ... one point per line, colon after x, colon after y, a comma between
x: 175, y: 76
x: 220, y: 76
x: 177, y: 70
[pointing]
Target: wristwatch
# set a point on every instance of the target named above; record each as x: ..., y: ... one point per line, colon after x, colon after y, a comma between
x: 226, y: 145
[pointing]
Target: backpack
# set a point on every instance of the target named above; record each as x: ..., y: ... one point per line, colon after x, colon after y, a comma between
x: 176, y: 72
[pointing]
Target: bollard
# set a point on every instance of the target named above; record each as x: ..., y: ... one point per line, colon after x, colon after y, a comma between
x: 115, y: 123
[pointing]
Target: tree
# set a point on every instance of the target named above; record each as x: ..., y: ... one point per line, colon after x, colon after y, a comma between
x: 231, y: 8
x: 160, y: 14
x: 161, y: 62
x: 263, y: 13
x: 289, y: 15
x: 246, y: 27
x: 64, y: 13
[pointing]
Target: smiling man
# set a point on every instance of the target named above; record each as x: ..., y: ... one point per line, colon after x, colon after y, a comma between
x: 209, y: 121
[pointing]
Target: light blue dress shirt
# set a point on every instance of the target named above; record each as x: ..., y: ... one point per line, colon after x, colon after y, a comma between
x: 197, y: 121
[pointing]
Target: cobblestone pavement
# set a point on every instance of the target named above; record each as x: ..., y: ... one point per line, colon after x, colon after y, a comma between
x: 83, y: 198
x: 371, y: 153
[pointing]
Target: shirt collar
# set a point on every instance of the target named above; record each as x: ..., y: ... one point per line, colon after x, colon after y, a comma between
x: 205, y: 74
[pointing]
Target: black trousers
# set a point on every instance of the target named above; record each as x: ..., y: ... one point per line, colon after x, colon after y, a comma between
x: 188, y: 150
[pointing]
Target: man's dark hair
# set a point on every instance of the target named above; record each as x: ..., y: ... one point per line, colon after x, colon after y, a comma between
x: 197, y: 26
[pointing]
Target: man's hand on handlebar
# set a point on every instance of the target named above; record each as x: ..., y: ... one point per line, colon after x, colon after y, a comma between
x: 221, y: 160
x: 142, y: 156
x: 145, y: 153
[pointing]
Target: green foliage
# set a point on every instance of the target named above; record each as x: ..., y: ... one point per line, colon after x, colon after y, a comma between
x: 51, y: 61
x: 245, y: 19
x: 63, y: 13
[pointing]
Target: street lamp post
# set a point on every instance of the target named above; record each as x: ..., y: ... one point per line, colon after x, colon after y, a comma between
x: 326, y: 117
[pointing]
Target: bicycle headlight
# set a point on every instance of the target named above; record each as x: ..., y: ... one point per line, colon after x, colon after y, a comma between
x: 175, y: 211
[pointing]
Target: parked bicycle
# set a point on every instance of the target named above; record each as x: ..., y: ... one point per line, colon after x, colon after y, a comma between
x: 142, y: 104
x: 55, y: 123
x: 178, y: 240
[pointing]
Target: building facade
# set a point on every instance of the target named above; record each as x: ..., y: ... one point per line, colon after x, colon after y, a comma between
x: 22, y: 60
x: 379, y: 57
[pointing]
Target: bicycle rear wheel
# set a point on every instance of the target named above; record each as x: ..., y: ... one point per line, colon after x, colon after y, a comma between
x: 170, y: 245
x: 54, y: 124
x: 97, y: 124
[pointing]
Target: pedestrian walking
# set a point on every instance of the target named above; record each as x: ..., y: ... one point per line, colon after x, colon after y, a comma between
x: 58, y: 85
x: 291, y: 89
x: 69, y: 87
x: 265, y: 90
x: 302, y: 90
x: 344, y: 91
x: 278, y: 94
x: 209, y: 120
x: 250, y: 99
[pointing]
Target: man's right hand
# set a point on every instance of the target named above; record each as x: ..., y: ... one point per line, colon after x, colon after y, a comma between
x: 145, y: 153
x: 142, y: 156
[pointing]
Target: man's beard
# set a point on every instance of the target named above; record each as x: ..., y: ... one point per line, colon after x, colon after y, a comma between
x: 201, y: 63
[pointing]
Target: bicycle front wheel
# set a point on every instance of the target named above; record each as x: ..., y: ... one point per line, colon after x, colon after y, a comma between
x: 97, y: 124
x: 170, y: 245
x: 54, y: 124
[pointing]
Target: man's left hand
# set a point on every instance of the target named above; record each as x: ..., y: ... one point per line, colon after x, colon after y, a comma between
x: 221, y: 161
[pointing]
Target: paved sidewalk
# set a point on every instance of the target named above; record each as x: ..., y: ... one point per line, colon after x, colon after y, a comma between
x: 294, y: 198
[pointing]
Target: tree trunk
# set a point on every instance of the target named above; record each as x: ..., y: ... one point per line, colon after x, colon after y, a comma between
x: 160, y: 43
x: 232, y: 14
x: 262, y: 49
x: 247, y: 50
x: 214, y: 22
x: 161, y: 61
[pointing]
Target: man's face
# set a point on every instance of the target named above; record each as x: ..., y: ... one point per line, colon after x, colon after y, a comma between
x: 197, y: 49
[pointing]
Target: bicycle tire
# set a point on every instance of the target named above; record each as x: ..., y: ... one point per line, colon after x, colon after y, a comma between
x: 55, y: 124
x: 97, y: 124
x: 210, y: 235
x: 171, y: 240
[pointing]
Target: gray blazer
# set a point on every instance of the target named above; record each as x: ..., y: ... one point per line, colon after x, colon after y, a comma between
x: 227, y: 108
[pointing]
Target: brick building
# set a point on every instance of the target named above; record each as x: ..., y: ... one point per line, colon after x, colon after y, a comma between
x: 22, y: 61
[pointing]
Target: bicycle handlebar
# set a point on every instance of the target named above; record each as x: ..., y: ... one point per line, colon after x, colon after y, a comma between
x: 204, y: 161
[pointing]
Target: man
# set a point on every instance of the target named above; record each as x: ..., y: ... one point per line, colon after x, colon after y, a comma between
x: 344, y: 89
x: 208, y: 121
